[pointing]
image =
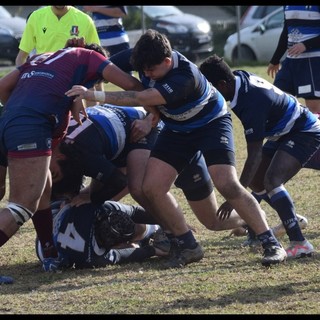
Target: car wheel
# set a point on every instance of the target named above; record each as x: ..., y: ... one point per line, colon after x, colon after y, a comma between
x: 246, y: 55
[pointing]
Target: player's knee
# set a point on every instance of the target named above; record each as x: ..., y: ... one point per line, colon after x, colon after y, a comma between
x: 19, y: 213
x: 199, y: 193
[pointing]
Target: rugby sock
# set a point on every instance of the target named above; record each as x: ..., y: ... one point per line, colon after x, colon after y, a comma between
x: 187, y: 240
x: 267, y: 238
x: 150, y: 229
x: 283, y: 204
x: 259, y: 196
x: 3, y: 238
x: 43, y: 224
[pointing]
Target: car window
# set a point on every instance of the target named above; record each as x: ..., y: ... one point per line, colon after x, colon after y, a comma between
x: 160, y: 11
x: 275, y: 21
x: 263, y: 11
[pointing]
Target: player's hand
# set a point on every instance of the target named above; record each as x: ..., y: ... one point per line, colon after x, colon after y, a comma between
x: 273, y: 69
x: 296, y: 49
x: 80, y: 199
x: 224, y: 211
x: 80, y: 92
x: 139, y: 129
x: 155, y: 114
x: 78, y: 110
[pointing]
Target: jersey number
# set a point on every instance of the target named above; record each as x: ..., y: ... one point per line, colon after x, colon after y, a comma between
x: 71, y: 239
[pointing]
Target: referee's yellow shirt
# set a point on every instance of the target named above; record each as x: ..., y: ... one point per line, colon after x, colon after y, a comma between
x: 44, y: 32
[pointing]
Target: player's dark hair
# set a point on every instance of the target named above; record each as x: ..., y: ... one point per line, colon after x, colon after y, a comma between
x: 80, y: 42
x: 72, y: 171
x: 96, y: 47
x: 214, y: 68
x: 150, y: 50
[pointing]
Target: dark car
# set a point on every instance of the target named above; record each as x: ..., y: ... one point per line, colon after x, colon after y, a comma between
x: 189, y: 34
x: 9, y: 45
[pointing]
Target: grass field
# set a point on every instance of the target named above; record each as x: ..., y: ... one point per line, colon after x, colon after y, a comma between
x: 229, y: 280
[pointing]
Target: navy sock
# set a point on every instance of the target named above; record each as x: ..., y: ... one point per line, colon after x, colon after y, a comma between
x: 187, y: 240
x: 268, y: 239
x: 283, y: 204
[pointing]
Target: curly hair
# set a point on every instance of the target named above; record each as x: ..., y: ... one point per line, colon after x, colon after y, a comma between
x: 214, y: 68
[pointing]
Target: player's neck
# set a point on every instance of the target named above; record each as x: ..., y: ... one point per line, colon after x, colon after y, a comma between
x: 60, y: 11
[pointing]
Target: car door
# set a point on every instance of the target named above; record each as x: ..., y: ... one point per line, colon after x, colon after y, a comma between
x: 266, y: 36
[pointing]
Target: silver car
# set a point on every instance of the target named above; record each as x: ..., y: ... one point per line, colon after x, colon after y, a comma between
x: 258, y: 42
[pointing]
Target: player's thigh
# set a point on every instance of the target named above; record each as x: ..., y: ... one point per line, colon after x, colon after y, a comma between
x: 136, y: 165
x: 159, y: 176
x: 27, y: 180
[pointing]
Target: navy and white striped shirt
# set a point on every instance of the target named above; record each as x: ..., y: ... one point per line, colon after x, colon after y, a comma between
x: 267, y: 112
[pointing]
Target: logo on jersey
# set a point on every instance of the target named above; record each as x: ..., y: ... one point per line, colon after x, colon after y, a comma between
x: 248, y: 131
x: 167, y: 88
x: 224, y: 140
x: 290, y: 144
x: 44, y: 29
x: 49, y: 143
x: 74, y: 31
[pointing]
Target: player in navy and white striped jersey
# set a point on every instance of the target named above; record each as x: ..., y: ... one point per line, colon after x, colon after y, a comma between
x: 299, y: 73
x: 100, y: 148
x: 195, y: 119
x: 293, y: 137
x: 83, y: 240
x: 109, y: 25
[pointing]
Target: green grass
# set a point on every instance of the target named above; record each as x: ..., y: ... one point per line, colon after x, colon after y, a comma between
x: 229, y: 280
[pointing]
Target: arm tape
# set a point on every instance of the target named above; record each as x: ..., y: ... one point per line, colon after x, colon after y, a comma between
x: 99, y: 95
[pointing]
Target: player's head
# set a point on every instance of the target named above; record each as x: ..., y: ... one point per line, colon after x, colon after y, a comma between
x: 67, y: 171
x: 80, y: 42
x: 112, y: 227
x: 215, y: 69
x: 151, y: 51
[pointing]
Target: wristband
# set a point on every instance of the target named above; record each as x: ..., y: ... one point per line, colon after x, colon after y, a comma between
x: 99, y: 95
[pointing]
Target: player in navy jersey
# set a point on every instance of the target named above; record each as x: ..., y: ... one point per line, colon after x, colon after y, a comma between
x: 36, y: 112
x: 195, y: 117
x: 293, y: 137
x: 194, y: 180
x: 101, y: 148
x: 97, y: 235
x: 109, y: 24
x: 299, y: 73
x: 94, y: 150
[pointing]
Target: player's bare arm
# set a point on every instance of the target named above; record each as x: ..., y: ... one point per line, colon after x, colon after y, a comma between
x: 148, y: 97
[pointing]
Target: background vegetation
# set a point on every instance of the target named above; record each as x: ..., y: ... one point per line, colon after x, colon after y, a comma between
x: 229, y: 280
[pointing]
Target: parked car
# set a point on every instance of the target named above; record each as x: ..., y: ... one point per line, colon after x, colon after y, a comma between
x: 258, y: 42
x: 254, y: 14
x: 9, y: 45
x: 189, y: 34
x: 15, y: 23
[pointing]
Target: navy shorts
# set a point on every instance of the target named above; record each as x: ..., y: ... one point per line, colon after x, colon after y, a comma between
x: 300, y: 145
x: 26, y: 136
x: 300, y: 77
x: 214, y: 140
